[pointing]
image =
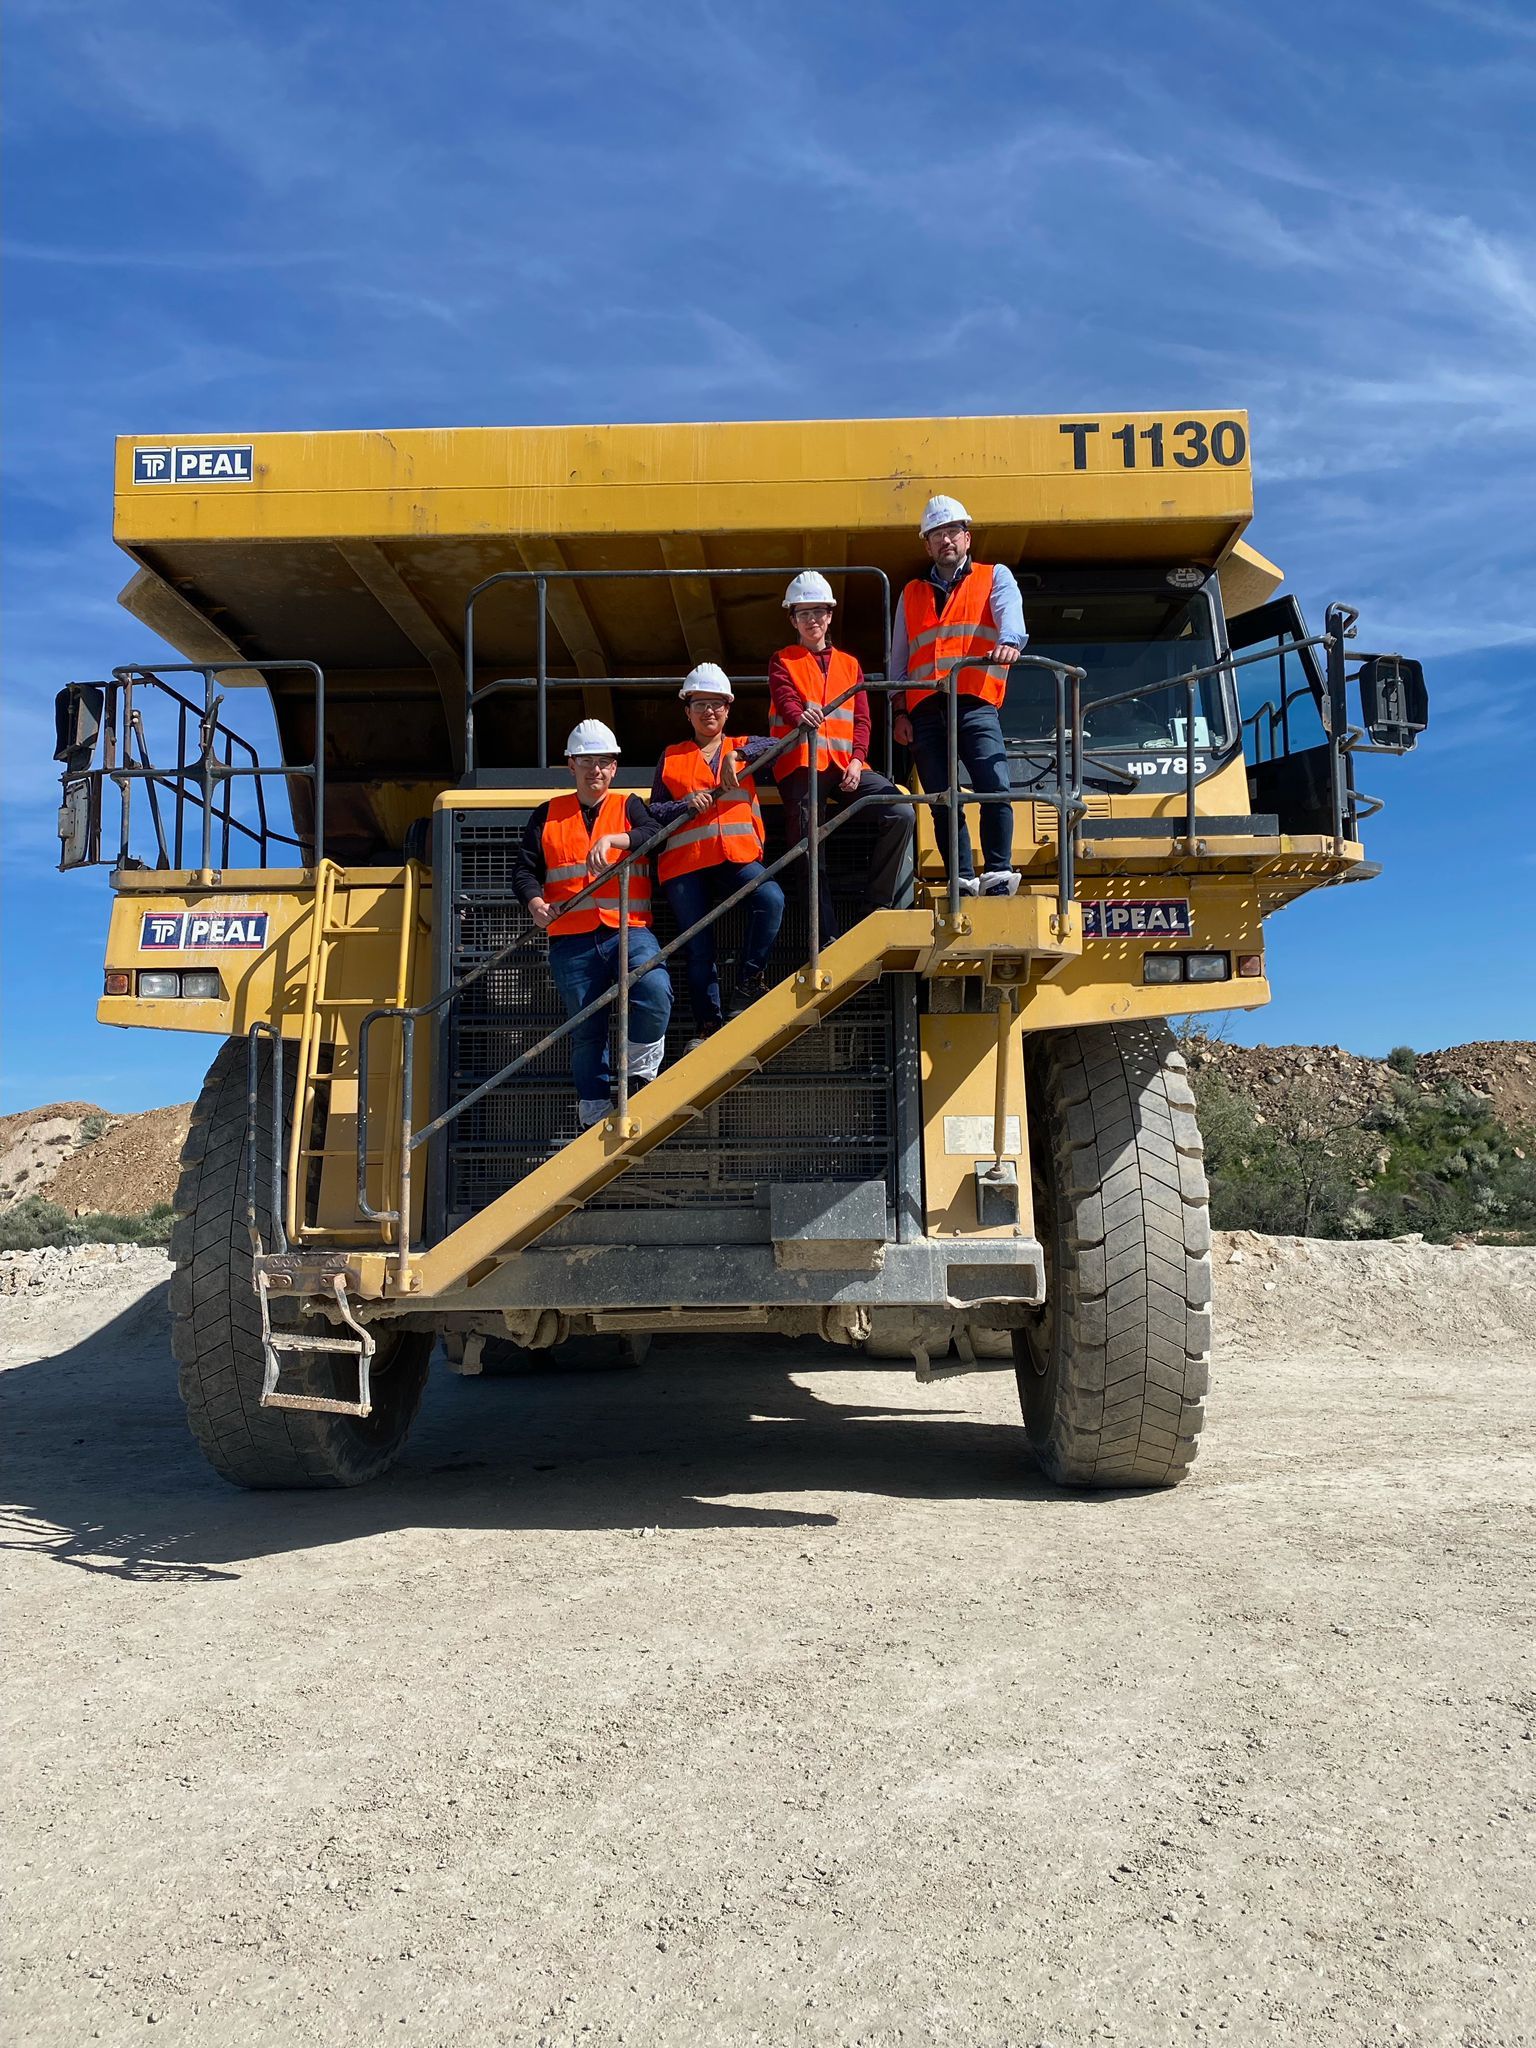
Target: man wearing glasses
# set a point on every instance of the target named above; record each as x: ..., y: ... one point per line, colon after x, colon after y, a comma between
x: 805, y: 681
x: 971, y: 613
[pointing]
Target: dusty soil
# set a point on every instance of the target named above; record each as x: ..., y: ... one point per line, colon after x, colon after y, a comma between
x: 753, y: 1698
x: 134, y: 1165
x: 35, y: 1142
x: 130, y: 1166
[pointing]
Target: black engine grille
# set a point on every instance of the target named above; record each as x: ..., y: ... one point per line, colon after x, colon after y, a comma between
x: 824, y: 1109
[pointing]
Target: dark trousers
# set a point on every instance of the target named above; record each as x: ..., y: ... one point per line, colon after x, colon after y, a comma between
x: 693, y: 896
x: 889, y: 862
x: 979, y: 743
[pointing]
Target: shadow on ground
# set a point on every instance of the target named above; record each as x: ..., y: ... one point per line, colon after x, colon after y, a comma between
x: 105, y: 1476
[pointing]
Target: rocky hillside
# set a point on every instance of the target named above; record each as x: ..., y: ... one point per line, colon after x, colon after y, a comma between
x: 89, y: 1161
x: 1502, y: 1072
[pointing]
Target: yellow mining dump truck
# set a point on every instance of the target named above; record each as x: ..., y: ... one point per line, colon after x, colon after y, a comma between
x: 959, y: 1134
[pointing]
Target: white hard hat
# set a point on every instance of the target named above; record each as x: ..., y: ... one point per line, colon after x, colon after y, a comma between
x: 942, y: 511
x: 809, y: 587
x: 709, y: 679
x: 591, y: 736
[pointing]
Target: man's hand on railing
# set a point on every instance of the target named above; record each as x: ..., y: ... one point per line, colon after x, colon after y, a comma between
x: 699, y: 801
x: 541, y: 912
x: 1007, y: 654
x: 813, y: 715
x: 605, y: 851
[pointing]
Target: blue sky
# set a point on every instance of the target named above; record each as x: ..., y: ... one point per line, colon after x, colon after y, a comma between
x: 226, y: 217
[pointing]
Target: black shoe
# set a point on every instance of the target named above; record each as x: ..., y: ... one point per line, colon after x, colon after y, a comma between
x: 747, y: 993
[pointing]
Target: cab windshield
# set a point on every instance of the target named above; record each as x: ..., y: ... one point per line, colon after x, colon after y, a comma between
x: 1126, y: 640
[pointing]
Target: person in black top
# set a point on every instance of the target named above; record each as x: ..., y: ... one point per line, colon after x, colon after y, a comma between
x: 567, y: 844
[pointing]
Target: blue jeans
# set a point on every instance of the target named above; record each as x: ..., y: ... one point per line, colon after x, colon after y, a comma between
x: 693, y: 896
x: 584, y: 964
x: 980, y: 745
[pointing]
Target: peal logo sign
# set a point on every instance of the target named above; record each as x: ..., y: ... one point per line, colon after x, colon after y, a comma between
x: 195, y: 465
x: 1138, y: 918
x: 194, y: 931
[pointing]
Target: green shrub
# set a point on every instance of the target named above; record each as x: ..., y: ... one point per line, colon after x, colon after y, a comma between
x: 1402, y: 1059
x: 34, y: 1222
x: 1435, y: 1162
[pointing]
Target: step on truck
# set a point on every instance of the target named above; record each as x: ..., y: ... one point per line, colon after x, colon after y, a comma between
x: 958, y: 1134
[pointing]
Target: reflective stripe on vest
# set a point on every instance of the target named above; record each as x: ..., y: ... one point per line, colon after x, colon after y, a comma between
x: 732, y: 828
x: 567, y: 842
x: 834, y: 737
x: 965, y: 633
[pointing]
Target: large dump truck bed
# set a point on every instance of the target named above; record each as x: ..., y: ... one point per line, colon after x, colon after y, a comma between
x: 357, y: 550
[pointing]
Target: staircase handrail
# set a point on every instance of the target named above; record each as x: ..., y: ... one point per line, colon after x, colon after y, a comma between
x: 1066, y: 799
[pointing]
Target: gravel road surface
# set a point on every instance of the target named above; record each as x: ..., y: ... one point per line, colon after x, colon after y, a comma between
x: 750, y: 1698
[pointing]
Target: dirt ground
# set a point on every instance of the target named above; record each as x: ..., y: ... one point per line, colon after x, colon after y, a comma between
x: 750, y: 1698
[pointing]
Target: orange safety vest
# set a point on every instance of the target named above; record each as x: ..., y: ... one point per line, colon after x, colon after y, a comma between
x: 730, y: 830
x: 834, y: 738
x: 567, y: 842
x: 965, y: 632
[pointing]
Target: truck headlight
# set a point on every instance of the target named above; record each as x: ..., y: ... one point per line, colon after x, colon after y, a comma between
x: 1160, y: 968
x: 1207, y: 967
x: 157, y: 983
x: 202, y: 984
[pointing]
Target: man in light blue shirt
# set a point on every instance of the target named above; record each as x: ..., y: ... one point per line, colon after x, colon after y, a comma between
x: 968, y: 616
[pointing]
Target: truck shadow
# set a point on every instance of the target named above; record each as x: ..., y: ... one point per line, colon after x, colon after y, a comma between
x: 106, y: 1477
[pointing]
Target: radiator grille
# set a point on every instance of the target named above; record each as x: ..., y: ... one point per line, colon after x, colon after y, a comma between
x: 824, y: 1109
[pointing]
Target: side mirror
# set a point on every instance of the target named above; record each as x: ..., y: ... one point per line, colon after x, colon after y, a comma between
x: 76, y: 722
x: 1394, y: 701
x: 80, y: 823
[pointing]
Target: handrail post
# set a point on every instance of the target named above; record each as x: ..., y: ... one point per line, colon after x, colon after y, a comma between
x: 252, y: 1135
x: 813, y: 852
x: 1189, y: 763
x: 469, y: 684
x: 205, y: 742
x: 181, y: 783
x: 318, y: 779
x: 120, y: 712
x: 360, y: 1130
x: 542, y: 709
x: 623, y: 1051
x: 407, y: 1077
x: 952, y: 691
x: 278, y: 1196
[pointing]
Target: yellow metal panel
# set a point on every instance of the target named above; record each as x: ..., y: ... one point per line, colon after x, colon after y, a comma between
x: 707, y: 478
x: 1248, y: 579
x: 1103, y: 985
x: 959, y: 1079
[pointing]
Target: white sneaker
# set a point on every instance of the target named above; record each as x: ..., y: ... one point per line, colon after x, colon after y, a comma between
x: 1000, y: 882
x: 592, y: 1112
x: 645, y: 1061
x: 968, y: 885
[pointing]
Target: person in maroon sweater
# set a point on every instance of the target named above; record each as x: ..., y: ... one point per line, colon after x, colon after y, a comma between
x: 805, y: 682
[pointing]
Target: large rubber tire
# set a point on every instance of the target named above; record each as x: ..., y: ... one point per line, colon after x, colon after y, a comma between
x: 216, y: 1322
x: 1113, y: 1371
